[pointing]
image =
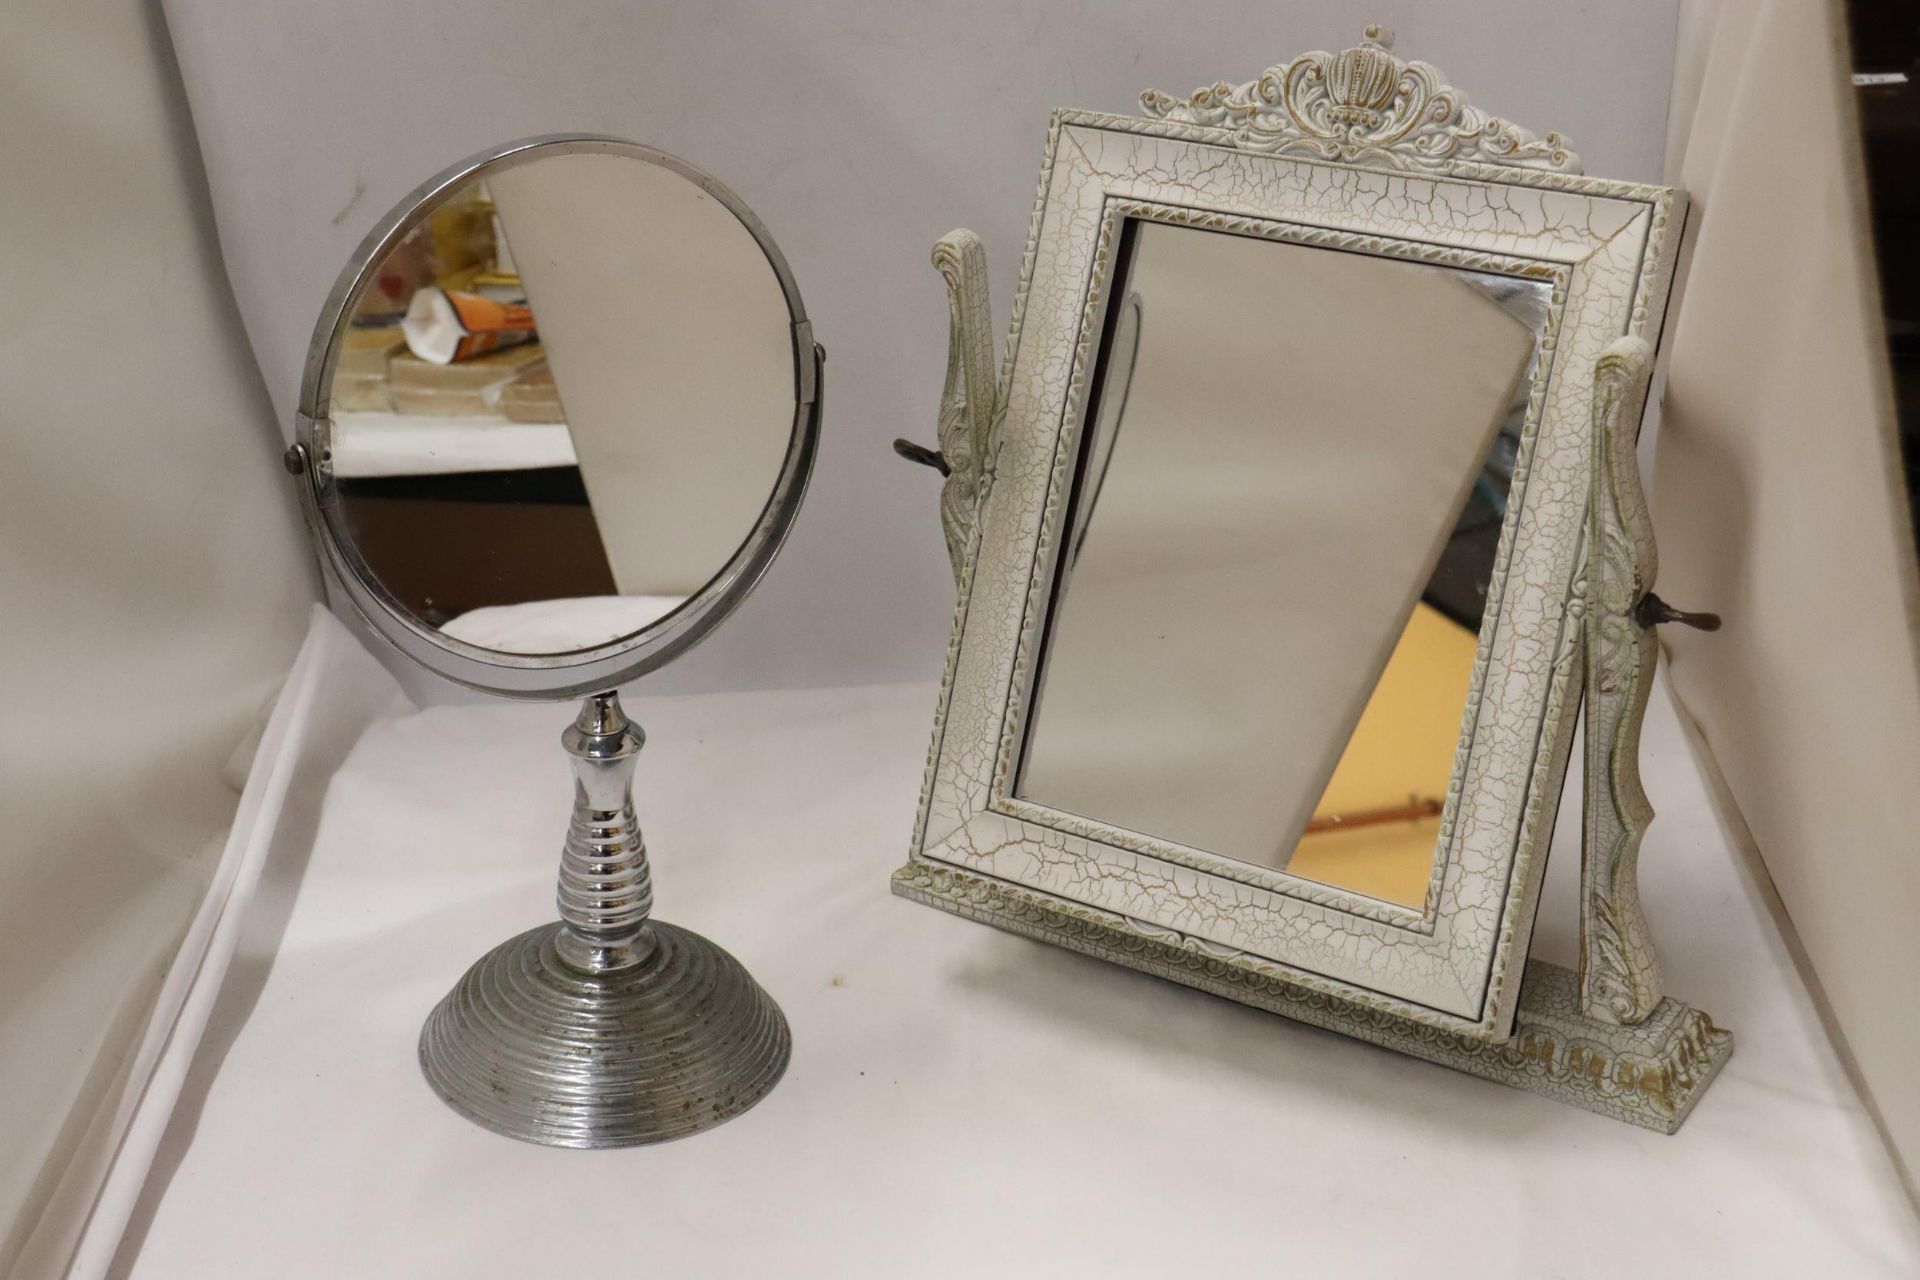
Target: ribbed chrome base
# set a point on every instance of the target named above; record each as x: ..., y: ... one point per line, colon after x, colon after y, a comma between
x: 533, y: 1048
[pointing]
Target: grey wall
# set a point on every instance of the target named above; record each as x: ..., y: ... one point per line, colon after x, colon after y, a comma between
x: 859, y: 131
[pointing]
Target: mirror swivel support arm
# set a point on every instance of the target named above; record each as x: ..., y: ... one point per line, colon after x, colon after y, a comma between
x: 1619, y: 971
x: 970, y: 400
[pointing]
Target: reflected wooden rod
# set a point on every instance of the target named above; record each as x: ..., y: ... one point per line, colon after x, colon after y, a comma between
x: 1373, y: 817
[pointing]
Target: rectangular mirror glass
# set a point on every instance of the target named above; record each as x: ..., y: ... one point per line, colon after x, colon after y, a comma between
x: 1285, y: 513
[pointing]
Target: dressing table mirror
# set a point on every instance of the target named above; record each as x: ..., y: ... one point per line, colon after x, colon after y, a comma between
x: 1291, y: 538
x: 557, y: 418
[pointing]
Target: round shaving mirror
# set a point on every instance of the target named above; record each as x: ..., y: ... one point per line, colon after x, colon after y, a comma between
x: 557, y: 418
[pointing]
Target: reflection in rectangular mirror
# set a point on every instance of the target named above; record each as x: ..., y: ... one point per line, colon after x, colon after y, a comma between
x: 1283, y: 530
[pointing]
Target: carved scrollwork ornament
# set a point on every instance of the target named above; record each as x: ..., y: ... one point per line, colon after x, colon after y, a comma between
x: 1363, y: 106
x: 1619, y: 972
x: 967, y: 402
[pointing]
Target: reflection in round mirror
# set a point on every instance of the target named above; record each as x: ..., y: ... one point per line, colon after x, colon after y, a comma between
x: 560, y: 410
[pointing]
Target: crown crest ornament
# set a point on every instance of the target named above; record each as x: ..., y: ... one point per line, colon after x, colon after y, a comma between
x: 1363, y: 105
x: 1361, y: 82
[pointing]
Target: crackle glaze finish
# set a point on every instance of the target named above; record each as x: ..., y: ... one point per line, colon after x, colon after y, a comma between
x: 1453, y: 965
x: 1649, y: 1074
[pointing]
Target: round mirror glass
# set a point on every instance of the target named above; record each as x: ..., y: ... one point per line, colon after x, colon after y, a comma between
x: 558, y: 415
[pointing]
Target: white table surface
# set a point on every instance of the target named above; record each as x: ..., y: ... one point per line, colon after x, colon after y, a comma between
x: 960, y: 1102
x: 369, y: 445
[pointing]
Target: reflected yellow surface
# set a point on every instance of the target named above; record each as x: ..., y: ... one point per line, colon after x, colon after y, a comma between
x: 1398, y: 760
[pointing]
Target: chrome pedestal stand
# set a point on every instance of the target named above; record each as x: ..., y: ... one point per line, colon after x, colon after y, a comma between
x: 609, y: 1028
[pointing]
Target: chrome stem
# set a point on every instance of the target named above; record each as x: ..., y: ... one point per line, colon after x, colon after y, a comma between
x: 606, y: 887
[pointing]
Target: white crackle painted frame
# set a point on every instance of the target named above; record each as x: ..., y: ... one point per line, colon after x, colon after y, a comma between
x: 1506, y: 207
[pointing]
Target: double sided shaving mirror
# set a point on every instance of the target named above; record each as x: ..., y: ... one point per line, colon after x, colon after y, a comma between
x: 557, y: 417
x: 1299, y: 526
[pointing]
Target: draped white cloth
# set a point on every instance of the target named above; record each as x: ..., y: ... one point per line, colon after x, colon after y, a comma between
x: 153, y: 583
x: 1778, y: 502
x: 961, y: 1102
x: 333, y: 692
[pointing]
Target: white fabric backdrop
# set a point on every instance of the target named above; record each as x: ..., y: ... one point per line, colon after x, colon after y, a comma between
x: 860, y: 131
x: 335, y: 689
x: 1777, y: 500
x: 153, y: 579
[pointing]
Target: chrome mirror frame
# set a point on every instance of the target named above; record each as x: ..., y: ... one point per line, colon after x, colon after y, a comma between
x: 586, y: 671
